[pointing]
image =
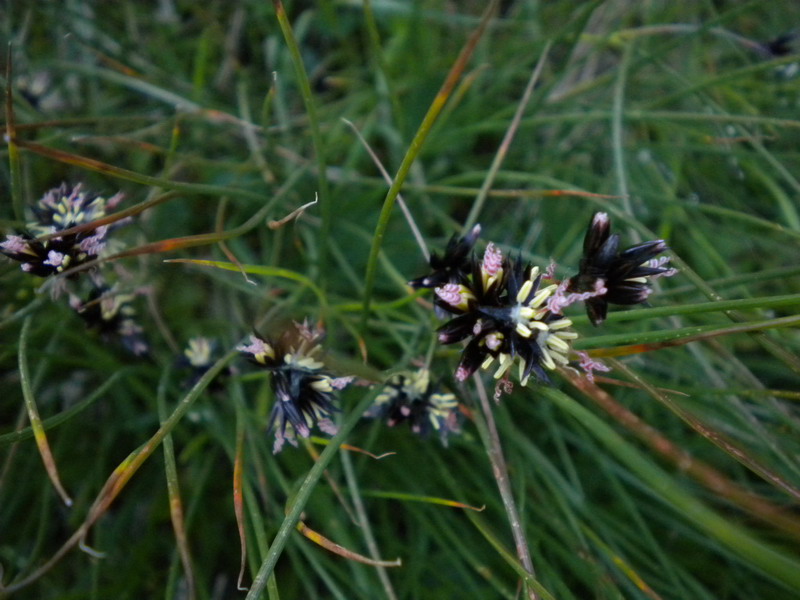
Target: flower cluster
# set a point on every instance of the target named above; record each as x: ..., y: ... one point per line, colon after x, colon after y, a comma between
x: 47, y: 248
x: 504, y: 313
x: 607, y: 275
x: 112, y: 314
x: 500, y: 306
x: 413, y: 398
x: 60, y: 209
x: 302, y: 388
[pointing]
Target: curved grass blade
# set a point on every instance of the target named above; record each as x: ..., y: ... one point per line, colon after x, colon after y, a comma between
x: 22, y: 312
x: 238, y: 500
x: 717, y: 438
x: 621, y: 564
x: 56, y: 420
x: 655, y: 340
x: 483, y: 527
x: 413, y: 150
x: 502, y: 150
x: 701, y: 471
x: 124, y: 472
x: 176, y: 511
x: 92, y: 164
x: 316, y: 135
x: 259, y: 270
x: 363, y: 522
x: 33, y: 415
x: 426, y: 499
x: 330, y: 546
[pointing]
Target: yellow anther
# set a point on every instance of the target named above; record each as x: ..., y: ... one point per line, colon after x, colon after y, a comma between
x: 524, y: 291
x: 541, y: 296
x: 505, y: 362
x: 547, y: 360
x: 322, y: 385
x: 523, y: 330
x: 556, y: 343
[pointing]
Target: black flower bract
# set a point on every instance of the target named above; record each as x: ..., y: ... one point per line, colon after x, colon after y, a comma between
x: 614, y: 277
x: 452, y: 267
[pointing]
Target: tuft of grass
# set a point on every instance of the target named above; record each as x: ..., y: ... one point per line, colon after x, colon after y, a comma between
x: 673, y: 476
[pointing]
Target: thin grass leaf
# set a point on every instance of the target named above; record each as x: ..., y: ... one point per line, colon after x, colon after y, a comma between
x: 481, y: 525
x: 92, y: 164
x: 762, y: 303
x: 33, y: 414
x: 704, y: 473
x: 414, y: 149
x: 621, y: 564
x: 316, y: 135
x: 502, y: 150
x: 62, y: 417
x: 330, y: 546
x: 654, y: 340
x: 122, y: 475
x: 755, y: 553
x: 719, y: 439
x: 176, y: 511
x: 238, y: 498
x: 258, y: 270
x: 405, y: 496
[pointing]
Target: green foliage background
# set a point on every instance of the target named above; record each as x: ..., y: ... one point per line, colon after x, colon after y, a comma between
x: 673, y: 110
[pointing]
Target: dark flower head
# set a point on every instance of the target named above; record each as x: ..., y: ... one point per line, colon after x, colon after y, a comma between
x: 112, y: 314
x: 608, y: 276
x: 502, y: 311
x: 60, y: 209
x: 413, y: 398
x: 303, y: 389
x: 454, y: 266
x: 783, y: 45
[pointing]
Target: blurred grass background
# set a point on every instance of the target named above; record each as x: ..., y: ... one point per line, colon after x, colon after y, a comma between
x: 684, y: 114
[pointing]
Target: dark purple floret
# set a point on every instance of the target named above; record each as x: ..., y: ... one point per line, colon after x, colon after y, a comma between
x: 498, y: 307
x: 303, y: 389
x: 60, y: 209
x: 415, y: 399
x: 452, y: 267
x: 613, y: 277
x: 113, y: 316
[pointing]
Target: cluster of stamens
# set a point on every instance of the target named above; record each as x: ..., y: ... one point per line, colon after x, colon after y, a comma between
x: 413, y: 398
x: 58, y: 210
x: 500, y: 308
